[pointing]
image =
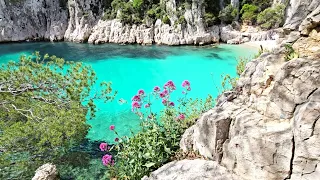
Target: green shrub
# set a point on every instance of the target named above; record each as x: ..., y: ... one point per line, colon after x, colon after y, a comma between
x: 166, y: 20
x: 227, y: 83
x: 108, y: 15
x: 159, y: 138
x: 228, y: 14
x: 290, y: 53
x: 137, y: 3
x: 249, y: 12
x: 241, y: 65
x: 262, y: 4
x: 181, y: 20
x: 42, y: 112
x: 271, y: 17
x: 210, y: 19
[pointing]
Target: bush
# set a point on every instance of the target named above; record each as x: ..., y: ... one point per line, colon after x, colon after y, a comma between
x: 271, y: 17
x: 290, y: 53
x: 241, y: 65
x: 249, y: 12
x: 228, y: 14
x: 210, y: 19
x: 166, y: 20
x: 43, y: 111
x: 159, y: 138
x: 181, y: 20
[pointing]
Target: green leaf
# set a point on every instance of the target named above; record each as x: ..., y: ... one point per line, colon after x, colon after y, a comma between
x: 150, y: 164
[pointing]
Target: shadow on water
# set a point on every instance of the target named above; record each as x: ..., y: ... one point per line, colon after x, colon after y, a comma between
x: 98, y: 52
x: 83, y: 161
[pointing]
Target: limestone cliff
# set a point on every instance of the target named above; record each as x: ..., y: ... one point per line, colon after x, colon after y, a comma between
x: 267, y: 127
x: 32, y: 19
x: 81, y: 21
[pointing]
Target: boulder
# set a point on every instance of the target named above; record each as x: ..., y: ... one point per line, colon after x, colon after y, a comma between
x: 46, y: 172
x: 310, y: 22
x: 191, y: 170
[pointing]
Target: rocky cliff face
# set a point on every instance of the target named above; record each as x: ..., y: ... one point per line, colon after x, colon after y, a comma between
x: 80, y: 21
x: 32, y: 19
x: 268, y: 127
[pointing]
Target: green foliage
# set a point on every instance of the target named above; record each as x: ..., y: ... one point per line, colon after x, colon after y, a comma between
x: 249, y: 12
x: 228, y: 14
x: 271, y: 17
x: 241, y: 65
x: 137, y: 3
x: 210, y: 19
x: 181, y: 20
x: 44, y: 102
x: 228, y: 83
x: 262, y: 4
x: 166, y: 20
x: 290, y: 53
x: 159, y: 138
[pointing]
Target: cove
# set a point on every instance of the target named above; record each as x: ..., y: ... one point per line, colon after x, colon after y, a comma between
x: 134, y: 67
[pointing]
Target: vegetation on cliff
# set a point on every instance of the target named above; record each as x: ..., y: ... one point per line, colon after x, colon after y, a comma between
x: 44, y: 102
x: 158, y: 141
x: 146, y: 11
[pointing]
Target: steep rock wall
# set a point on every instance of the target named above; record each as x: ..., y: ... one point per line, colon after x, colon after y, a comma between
x: 80, y: 21
x: 32, y: 19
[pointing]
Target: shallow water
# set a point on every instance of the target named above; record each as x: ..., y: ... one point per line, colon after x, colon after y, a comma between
x: 133, y: 67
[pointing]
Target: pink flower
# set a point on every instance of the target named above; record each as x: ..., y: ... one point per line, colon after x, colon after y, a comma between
x: 181, y: 117
x: 116, y: 139
x: 112, y: 127
x: 103, y: 146
x: 107, y: 160
x: 141, y: 92
x: 136, y: 98
x: 170, y: 85
x: 135, y: 104
x: 164, y: 102
x: 162, y: 95
x: 185, y: 83
x: 156, y: 89
x: 171, y: 104
x: 189, y: 89
x: 147, y: 105
x: 165, y: 92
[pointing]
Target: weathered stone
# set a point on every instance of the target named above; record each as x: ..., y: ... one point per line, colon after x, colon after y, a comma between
x: 297, y: 11
x: 32, y: 20
x: 46, y: 172
x: 191, y: 170
x: 271, y: 123
x: 311, y: 21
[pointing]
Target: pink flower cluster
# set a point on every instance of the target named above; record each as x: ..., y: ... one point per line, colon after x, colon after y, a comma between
x: 136, y: 100
x: 181, y: 117
x: 107, y: 160
x: 103, y: 146
x: 186, y: 85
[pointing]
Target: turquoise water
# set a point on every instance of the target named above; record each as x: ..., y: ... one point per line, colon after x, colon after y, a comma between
x: 133, y: 67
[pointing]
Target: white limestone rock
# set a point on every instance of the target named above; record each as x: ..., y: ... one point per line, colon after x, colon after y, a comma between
x: 190, y: 170
x: 46, y: 172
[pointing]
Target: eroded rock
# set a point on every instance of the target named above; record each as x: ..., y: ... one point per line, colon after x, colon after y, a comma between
x: 46, y: 172
x: 191, y: 169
